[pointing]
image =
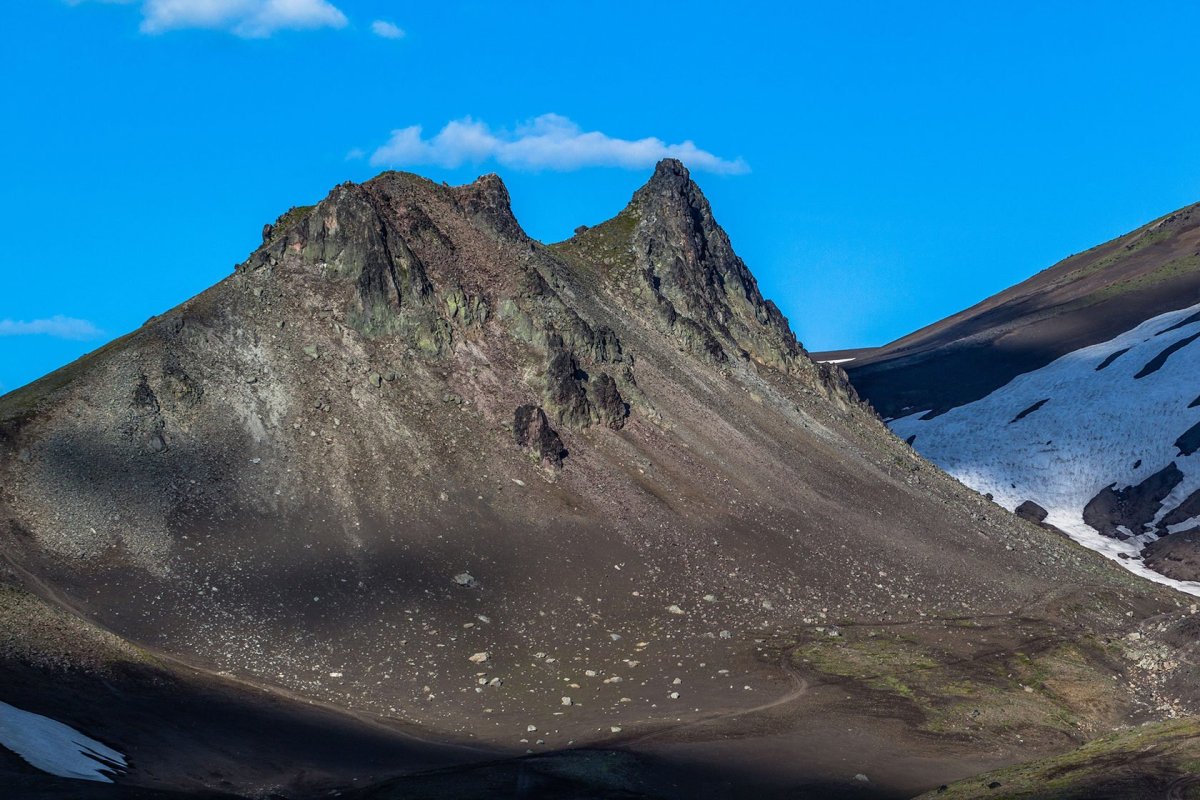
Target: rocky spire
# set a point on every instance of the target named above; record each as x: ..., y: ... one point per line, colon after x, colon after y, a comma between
x: 687, y: 260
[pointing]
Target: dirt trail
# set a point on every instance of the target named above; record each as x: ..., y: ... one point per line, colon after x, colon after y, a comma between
x: 799, y: 689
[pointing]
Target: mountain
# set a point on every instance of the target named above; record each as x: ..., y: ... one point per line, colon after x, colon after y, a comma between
x: 412, y: 503
x: 1089, y: 298
x: 1071, y: 398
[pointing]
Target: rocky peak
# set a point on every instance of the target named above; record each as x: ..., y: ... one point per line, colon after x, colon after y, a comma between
x: 688, y: 261
x: 402, y: 256
x: 487, y: 201
x: 669, y: 175
x: 666, y: 257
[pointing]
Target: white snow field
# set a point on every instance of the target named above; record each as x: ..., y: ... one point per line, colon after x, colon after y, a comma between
x: 57, y: 748
x: 1095, y: 428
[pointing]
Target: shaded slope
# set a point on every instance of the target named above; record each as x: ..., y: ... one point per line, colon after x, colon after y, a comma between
x: 186, y: 732
x: 1088, y: 298
x: 408, y: 461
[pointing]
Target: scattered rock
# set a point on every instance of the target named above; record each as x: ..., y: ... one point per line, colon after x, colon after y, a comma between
x: 1031, y: 511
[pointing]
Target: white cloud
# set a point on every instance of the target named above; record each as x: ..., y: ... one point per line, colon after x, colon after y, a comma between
x: 251, y: 19
x: 549, y: 142
x: 247, y: 18
x: 58, y: 326
x: 388, y: 30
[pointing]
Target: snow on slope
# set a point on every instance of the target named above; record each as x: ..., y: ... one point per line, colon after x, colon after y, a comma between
x: 57, y: 748
x: 1098, y: 425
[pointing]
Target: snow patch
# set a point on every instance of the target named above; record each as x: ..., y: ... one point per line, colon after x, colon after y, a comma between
x: 57, y: 748
x: 1094, y: 426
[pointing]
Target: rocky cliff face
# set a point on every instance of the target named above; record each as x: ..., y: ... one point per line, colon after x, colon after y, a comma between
x: 675, y: 264
x: 408, y: 461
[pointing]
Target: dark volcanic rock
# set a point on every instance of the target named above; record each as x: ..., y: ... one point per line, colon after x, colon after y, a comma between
x: 1189, y: 441
x: 565, y: 393
x: 531, y: 429
x: 1133, y: 507
x: 1156, y: 363
x: 1110, y: 358
x: 1183, y: 323
x: 1176, y: 555
x: 1190, y: 507
x: 1029, y: 410
x: 1031, y: 511
x: 608, y: 401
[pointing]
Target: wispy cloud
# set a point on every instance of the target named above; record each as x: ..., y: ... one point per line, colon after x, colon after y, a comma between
x: 250, y: 19
x: 549, y: 142
x: 58, y: 326
x: 387, y: 30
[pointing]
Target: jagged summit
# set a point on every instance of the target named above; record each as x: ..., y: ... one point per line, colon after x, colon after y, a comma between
x: 665, y: 254
x: 670, y: 176
x: 401, y: 245
x: 688, y: 257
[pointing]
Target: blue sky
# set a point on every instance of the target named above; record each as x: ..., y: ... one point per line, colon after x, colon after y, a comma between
x: 878, y: 165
